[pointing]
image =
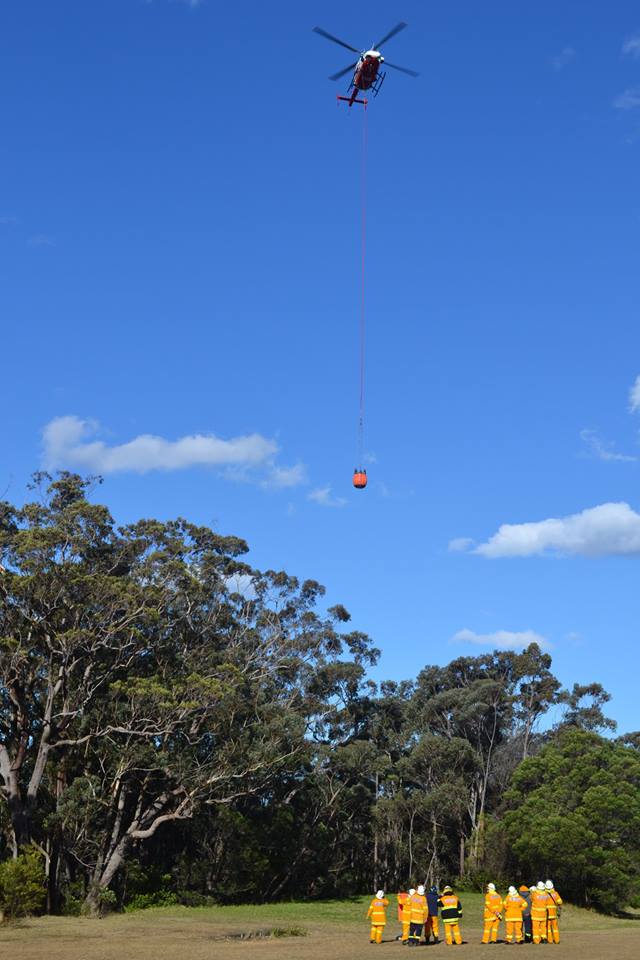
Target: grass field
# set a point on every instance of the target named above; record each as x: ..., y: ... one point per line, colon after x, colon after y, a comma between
x: 333, y: 929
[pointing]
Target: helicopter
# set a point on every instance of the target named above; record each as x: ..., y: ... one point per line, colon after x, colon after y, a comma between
x: 366, y: 68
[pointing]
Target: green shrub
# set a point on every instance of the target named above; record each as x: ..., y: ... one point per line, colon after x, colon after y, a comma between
x: 73, y: 895
x: 101, y: 902
x: 142, y: 901
x: 22, y: 885
x: 192, y: 898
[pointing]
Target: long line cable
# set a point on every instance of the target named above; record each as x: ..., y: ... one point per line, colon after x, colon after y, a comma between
x: 363, y: 257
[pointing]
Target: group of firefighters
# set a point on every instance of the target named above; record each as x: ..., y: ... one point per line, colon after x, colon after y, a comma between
x: 530, y: 915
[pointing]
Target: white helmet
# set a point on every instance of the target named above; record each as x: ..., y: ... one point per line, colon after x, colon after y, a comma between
x: 549, y: 884
x: 380, y: 894
x: 512, y: 890
x: 540, y: 885
x: 411, y: 891
x: 532, y: 889
x: 491, y: 887
x: 421, y: 890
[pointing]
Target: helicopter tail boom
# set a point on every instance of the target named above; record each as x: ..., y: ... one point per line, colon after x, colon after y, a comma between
x: 352, y: 100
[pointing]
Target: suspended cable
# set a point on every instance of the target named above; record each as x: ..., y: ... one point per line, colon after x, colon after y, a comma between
x: 360, y: 475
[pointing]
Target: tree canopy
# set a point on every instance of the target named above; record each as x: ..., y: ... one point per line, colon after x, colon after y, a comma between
x: 573, y: 812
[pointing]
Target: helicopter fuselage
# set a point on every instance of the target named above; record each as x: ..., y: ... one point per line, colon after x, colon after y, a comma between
x: 366, y: 72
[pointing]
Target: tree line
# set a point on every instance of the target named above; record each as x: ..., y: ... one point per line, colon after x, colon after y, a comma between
x: 176, y: 725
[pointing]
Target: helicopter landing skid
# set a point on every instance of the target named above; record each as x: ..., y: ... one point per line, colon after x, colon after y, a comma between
x: 376, y: 86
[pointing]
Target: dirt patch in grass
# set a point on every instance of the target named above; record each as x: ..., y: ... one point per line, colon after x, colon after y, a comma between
x: 273, y: 933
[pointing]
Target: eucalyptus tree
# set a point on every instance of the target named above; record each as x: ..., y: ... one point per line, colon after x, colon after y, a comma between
x: 137, y: 685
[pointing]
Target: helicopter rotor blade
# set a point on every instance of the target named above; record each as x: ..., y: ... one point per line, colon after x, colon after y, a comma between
x: 329, y: 36
x: 412, y: 73
x: 341, y: 73
x: 398, y: 27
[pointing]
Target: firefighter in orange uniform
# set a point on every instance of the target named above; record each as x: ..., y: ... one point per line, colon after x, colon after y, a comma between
x: 451, y: 912
x: 539, y: 902
x: 553, y: 912
x: 403, y: 913
x: 378, y: 915
x: 418, y: 915
x: 514, y: 904
x: 492, y: 914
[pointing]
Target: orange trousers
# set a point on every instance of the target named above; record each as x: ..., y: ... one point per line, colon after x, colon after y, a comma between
x: 553, y: 931
x: 431, y: 927
x: 514, y: 929
x: 405, y: 930
x: 539, y: 930
x: 377, y: 929
x: 490, y: 932
x: 452, y: 932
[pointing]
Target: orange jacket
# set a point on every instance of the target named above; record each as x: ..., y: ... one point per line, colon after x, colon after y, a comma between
x: 402, y: 901
x: 555, y: 901
x: 377, y: 911
x: 419, y: 909
x: 514, y: 904
x: 539, y: 903
x: 492, y: 906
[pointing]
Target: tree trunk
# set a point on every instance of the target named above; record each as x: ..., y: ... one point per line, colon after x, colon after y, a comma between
x: 375, y: 847
x: 20, y: 821
x: 413, y: 813
x: 104, y: 874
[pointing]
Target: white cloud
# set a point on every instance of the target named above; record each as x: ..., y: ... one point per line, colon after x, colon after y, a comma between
x: 601, y: 450
x: 628, y: 100
x: 501, y: 639
x: 610, y: 529
x: 460, y: 544
x: 281, y: 477
x: 41, y: 240
x: 323, y: 497
x: 631, y: 46
x: 68, y: 443
x: 185, y: 3
x: 634, y: 396
x: 564, y: 58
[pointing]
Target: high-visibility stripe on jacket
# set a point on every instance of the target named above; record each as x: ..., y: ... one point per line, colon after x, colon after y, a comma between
x: 492, y: 906
x: 539, y: 904
x: 402, y: 900
x: 514, y: 904
x: 555, y: 901
x: 377, y: 911
x: 450, y: 908
x: 419, y: 910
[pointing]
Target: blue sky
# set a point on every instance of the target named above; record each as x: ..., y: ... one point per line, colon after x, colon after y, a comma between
x: 179, y: 214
